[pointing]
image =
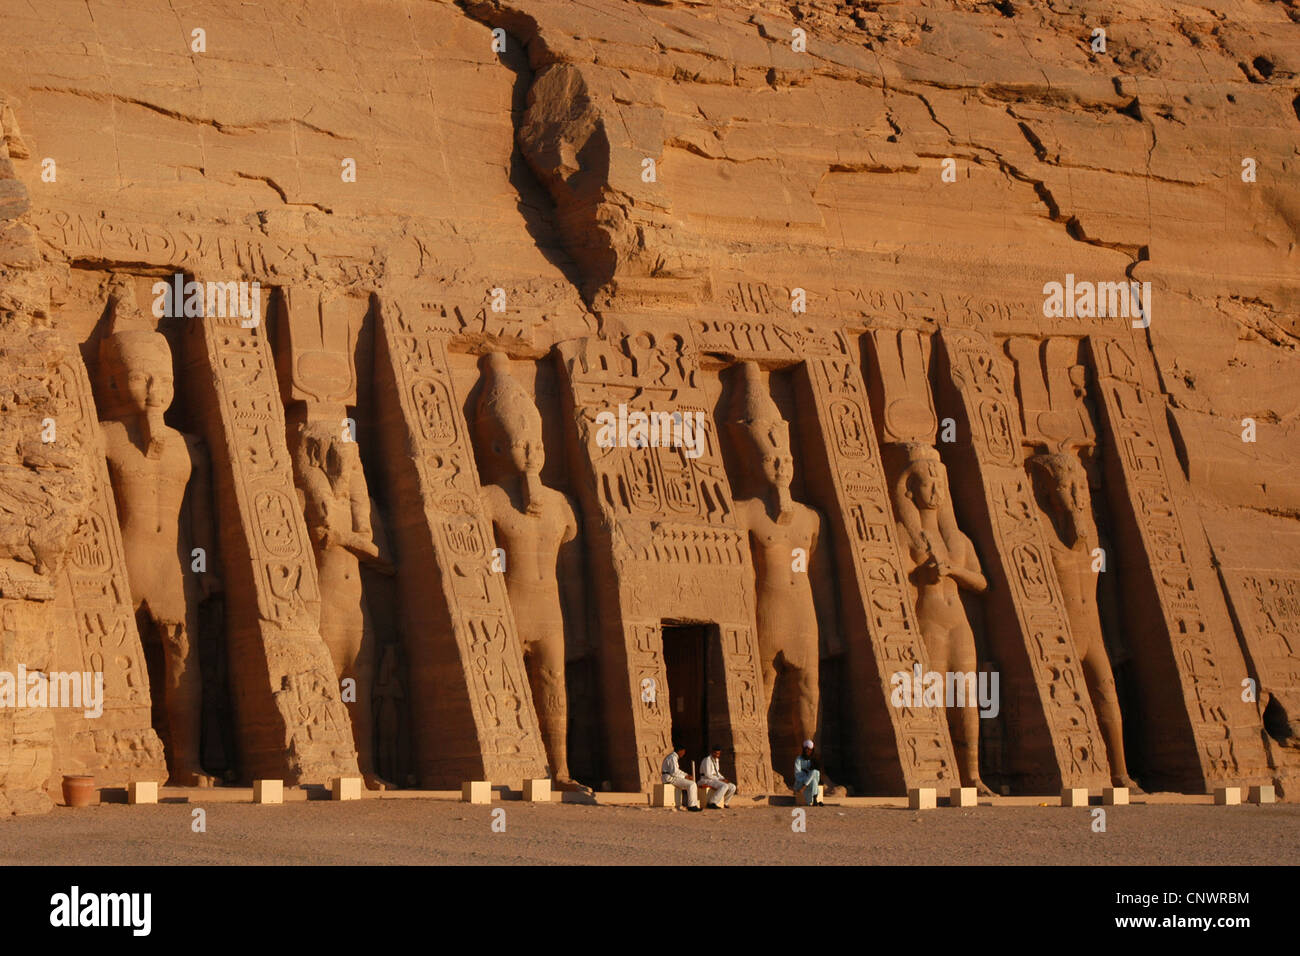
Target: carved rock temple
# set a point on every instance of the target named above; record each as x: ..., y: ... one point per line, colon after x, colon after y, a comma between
x: 314, y: 319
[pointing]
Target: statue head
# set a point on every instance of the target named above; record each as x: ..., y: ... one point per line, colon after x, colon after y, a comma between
x: 922, y: 487
x: 923, y: 479
x: 135, y: 361
x: 1064, y: 485
x: 767, y: 434
x: 321, y: 447
x: 508, y: 421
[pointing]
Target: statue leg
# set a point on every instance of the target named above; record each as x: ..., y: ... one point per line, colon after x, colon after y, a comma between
x: 183, y: 700
x: 1105, y: 701
x: 802, y: 658
x: 545, y: 665
x: 362, y: 713
x: 964, y: 721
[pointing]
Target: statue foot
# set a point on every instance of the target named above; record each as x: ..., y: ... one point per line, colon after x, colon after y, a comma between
x: 192, y: 778
x: 982, y: 789
x: 569, y: 785
x: 1124, y: 780
x: 376, y: 782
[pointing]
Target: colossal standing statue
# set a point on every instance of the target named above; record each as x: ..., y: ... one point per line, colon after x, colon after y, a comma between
x: 151, y: 466
x: 533, y: 524
x: 942, y: 560
x: 336, y: 504
x: 783, y: 536
x: 1063, y: 483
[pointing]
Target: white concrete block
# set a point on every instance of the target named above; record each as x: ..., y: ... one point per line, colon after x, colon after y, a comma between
x: 347, y: 788
x: 538, y: 791
x: 268, y: 791
x: 1227, y: 796
x: 1263, y: 794
x: 1114, y: 796
x: 663, y: 795
x: 964, y: 797
x: 1074, y: 797
x: 476, y: 791
x: 922, y: 798
x: 146, y: 791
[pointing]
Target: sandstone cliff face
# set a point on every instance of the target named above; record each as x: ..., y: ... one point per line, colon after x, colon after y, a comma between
x: 630, y: 200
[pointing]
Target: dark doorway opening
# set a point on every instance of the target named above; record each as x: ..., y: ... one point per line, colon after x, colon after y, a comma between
x: 697, y: 700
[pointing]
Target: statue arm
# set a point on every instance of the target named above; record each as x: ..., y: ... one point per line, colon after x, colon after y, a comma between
x: 968, y: 574
x: 361, y: 540
x: 570, y: 519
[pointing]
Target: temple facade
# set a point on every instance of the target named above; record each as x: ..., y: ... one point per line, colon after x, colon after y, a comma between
x: 441, y: 472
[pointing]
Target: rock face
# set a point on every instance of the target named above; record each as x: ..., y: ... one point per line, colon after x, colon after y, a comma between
x: 841, y: 344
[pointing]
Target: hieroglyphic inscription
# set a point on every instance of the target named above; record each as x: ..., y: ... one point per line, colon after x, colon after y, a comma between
x: 921, y: 734
x: 94, y: 233
x: 280, y: 652
x: 647, y: 680
x: 761, y: 339
x: 486, y: 647
x: 1032, y: 595
x: 1192, y: 607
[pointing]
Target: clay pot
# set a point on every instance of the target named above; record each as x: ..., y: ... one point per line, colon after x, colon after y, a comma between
x: 79, y: 790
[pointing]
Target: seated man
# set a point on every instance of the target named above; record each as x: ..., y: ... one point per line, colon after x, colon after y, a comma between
x: 674, y: 775
x: 711, y: 776
x: 807, y: 778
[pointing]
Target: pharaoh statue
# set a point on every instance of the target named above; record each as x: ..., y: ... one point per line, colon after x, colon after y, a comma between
x: 783, y: 535
x: 537, y: 528
x: 1063, y: 484
x: 941, y: 560
x: 332, y: 490
x: 152, y: 467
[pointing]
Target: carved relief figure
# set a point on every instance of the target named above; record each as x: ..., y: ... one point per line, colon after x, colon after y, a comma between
x: 151, y: 466
x: 783, y: 536
x: 332, y: 490
x: 941, y: 559
x: 537, y: 528
x: 1063, y: 484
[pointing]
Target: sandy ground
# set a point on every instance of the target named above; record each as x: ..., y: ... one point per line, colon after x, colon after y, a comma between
x: 425, y: 831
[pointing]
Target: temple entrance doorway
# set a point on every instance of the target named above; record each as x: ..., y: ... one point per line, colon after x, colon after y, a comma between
x: 697, y: 698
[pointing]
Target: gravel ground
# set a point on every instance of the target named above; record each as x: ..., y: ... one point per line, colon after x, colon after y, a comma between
x: 425, y: 831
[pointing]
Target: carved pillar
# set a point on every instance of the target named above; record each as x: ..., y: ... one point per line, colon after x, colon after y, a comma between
x: 896, y: 747
x: 1266, y: 605
x: 471, y: 707
x: 667, y: 548
x: 97, y: 628
x: 291, y: 722
x: 1197, y: 730
x: 1056, y: 741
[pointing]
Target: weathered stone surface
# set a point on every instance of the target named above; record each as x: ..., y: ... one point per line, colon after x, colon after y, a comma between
x: 827, y: 233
